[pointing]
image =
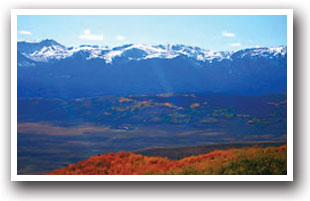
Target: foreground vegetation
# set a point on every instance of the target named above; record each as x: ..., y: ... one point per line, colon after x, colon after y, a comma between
x: 242, y: 161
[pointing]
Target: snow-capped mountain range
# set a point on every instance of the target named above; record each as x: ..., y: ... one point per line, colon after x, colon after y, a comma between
x: 49, y: 69
x: 50, y: 50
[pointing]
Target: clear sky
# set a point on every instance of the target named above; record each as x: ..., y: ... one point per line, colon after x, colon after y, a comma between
x: 215, y: 32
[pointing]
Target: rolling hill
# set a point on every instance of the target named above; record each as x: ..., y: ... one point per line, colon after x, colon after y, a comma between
x: 242, y: 161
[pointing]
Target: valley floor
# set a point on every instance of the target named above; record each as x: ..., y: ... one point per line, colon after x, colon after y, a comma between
x: 53, y: 133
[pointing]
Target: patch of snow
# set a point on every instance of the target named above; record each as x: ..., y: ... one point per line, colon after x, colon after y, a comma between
x: 110, y: 55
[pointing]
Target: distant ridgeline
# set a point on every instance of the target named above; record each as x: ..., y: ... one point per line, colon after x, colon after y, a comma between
x: 49, y: 69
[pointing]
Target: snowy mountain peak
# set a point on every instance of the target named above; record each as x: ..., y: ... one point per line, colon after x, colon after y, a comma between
x: 261, y: 52
x: 42, y: 51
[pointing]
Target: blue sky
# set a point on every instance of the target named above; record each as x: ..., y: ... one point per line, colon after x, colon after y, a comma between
x: 215, y: 32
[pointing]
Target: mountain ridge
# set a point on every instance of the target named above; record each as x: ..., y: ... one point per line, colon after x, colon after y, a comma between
x: 47, y: 50
x: 49, y: 69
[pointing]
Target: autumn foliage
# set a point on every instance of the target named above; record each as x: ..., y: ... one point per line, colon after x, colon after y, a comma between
x: 252, y: 160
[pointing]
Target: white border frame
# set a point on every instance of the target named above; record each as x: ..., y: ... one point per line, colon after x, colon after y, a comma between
x: 287, y: 12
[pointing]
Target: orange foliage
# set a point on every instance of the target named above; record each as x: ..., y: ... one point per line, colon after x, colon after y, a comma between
x: 165, y: 95
x: 169, y: 105
x: 126, y: 163
x: 125, y: 100
x: 143, y: 104
x: 195, y: 105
